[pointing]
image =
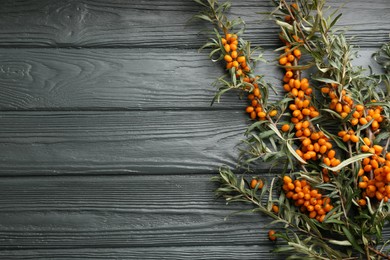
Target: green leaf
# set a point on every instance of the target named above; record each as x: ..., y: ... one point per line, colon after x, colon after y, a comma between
x: 294, y: 153
x: 284, y: 25
x: 325, y: 80
x: 353, y: 159
x: 203, y: 17
x: 334, y: 21
x: 340, y: 242
x: 351, y: 239
x: 334, y: 113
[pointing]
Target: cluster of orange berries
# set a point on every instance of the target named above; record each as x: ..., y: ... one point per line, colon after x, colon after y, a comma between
x: 255, y: 109
x: 374, y: 173
x: 232, y: 57
x: 314, y: 143
x: 344, y: 105
x: 235, y: 59
x: 309, y: 200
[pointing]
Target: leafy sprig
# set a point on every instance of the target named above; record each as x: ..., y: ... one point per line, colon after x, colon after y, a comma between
x: 349, y: 230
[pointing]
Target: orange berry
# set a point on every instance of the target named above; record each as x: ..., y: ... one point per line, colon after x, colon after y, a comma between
x: 287, y: 179
x: 290, y: 58
x: 289, y: 74
x: 253, y: 183
x: 256, y: 92
x: 261, y: 114
x: 314, y: 114
x: 271, y: 235
x: 367, y: 168
x: 297, y: 53
x: 367, y: 141
x: 354, y: 121
x: 326, y: 161
x: 354, y: 138
x: 325, y: 90
x: 378, y: 149
x: 283, y: 60
x: 335, y: 162
x: 285, y: 127
x: 363, y: 185
x: 253, y: 115
x: 306, y: 132
x: 241, y: 59
x: 331, y: 154
x: 296, y: 113
x: 362, y: 202
x: 328, y: 145
x: 273, y: 113
x: 294, y: 92
x: 378, y: 195
x: 227, y: 48
x: 313, y: 214
x: 359, y: 108
x: 356, y: 114
x: 275, y: 209
x: 365, y: 148
x: 363, y: 121
x: 306, y: 111
x: 228, y: 58
x: 297, y: 83
x: 374, y: 164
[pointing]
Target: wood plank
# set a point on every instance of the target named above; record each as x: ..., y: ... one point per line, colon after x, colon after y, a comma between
x: 130, y: 79
x: 115, y: 215
x: 112, y: 142
x: 255, y: 252
x: 121, y: 212
x: 122, y: 23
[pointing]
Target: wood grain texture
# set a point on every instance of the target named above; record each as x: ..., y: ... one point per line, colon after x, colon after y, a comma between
x: 106, y: 135
x: 150, y: 23
x: 112, y: 142
x: 129, y: 212
x: 255, y: 252
x: 125, y: 79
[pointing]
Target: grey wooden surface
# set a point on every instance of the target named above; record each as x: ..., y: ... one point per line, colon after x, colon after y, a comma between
x: 107, y: 137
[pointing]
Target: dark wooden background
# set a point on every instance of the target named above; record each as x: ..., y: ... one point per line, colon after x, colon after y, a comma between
x: 107, y: 137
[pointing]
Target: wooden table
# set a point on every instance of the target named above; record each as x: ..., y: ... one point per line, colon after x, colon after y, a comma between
x: 107, y: 137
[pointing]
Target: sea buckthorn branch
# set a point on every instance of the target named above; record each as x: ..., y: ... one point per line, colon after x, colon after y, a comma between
x: 263, y: 136
x: 235, y: 189
x: 333, y: 59
x: 313, y: 144
x: 326, y: 210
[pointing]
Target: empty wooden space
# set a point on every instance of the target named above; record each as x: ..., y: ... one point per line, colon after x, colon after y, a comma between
x: 107, y: 137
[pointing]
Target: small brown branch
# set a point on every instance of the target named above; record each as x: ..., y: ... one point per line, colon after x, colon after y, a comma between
x: 386, y: 146
x: 295, y: 19
x: 379, y: 253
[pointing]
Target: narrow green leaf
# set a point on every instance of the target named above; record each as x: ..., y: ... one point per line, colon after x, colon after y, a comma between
x: 284, y: 25
x: 203, y: 17
x: 334, y: 113
x: 294, y: 153
x: 334, y: 21
x: 353, y: 159
x: 325, y: 80
x: 352, y: 239
x: 340, y: 242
